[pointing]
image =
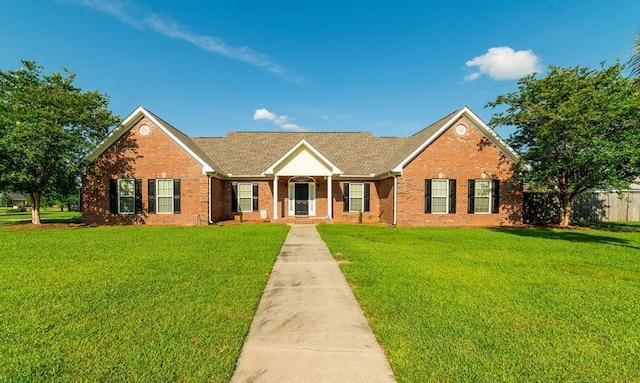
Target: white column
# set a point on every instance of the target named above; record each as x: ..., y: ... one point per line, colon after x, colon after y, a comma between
x: 275, y: 197
x: 329, y: 198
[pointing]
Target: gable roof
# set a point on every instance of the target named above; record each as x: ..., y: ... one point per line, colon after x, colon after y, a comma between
x: 419, y: 141
x: 356, y: 154
x: 14, y: 196
x: 176, y: 135
x: 303, y: 144
x: 252, y: 153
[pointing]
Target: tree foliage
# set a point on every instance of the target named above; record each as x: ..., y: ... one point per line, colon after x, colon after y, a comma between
x: 635, y: 61
x: 577, y: 129
x: 47, y: 125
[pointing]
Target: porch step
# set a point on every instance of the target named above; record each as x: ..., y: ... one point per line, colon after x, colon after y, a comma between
x: 303, y: 220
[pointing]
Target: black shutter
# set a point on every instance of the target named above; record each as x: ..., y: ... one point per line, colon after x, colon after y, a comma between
x: 234, y: 197
x: 138, y: 194
x: 471, y: 192
x: 255, y: 196
x: 452, y: 196
x: 367, y: 197
x: 176, y: 196
x: 427, y: 196
x: 151, y: 188
x: 113, y: 196
x: 495, y: 194
x: 345, y: 197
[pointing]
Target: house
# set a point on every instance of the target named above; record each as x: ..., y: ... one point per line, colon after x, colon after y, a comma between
x: 13, y: 200
x: 455, y: 172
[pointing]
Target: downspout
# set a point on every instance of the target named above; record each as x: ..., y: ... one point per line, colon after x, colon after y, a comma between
x: 395, y: 200
x: 209, y: 198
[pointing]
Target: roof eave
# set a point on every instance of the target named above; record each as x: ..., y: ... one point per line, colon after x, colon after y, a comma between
x: 484, y: 129
x: 271, y: 169
x: 129, y: 122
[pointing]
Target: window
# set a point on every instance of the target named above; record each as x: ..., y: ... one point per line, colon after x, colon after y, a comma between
x: 125, y: 196
x: 439, y: 196
x: 484, y: 196
x: 244, y: 197
x: 356, y: 196
x: 164, y: 196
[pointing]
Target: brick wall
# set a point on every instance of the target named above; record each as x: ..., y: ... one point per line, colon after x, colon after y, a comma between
x: 152, y: 156
x: 460, y: 157
x: 145, y: 157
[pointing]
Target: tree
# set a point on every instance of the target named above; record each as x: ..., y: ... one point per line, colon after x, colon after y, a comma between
x: 47, y: 125
x: 635, y: 60
x: 577, y: 130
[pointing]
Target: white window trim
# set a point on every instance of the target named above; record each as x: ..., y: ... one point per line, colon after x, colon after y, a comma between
x: 475, y: 204
x: 446, y: 196
x: 158, y: 196
x: 250, y: 198
x: 133, y: 196
x: 350, y: 197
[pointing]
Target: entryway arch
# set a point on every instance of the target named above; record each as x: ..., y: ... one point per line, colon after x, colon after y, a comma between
x: 302, y: 196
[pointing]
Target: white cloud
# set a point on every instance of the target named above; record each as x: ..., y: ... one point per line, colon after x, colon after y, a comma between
x: 264, y: 114
x: 281, y: 121
x: 503, y: 63
x: 125, y: 13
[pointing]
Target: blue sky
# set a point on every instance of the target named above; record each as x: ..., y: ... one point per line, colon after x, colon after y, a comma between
x: 390, y: 68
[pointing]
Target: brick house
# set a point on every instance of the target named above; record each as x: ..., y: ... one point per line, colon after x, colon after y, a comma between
x: 455, y: 172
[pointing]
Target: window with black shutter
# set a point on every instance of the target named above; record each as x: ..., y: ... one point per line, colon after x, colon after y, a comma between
x: 484, y: 196
x: 495, y: 195
x: 234, y: 197
x: 427, y: 196
x: 440, y: 196
x: 151, y: 200
x: 357, y: 197
x: 452, y: 196
x: 367, y: 197
x: 176, y: 196
x: 244, y: 197
x: 125, y: 196
x: 255, y: 196
x: 345, y: 197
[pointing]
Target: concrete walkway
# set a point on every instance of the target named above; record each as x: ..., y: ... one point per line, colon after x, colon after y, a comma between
x: 309, y: 327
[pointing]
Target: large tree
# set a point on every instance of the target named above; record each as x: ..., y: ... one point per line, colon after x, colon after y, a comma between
x: 635, y: 60
x: 576, y: 129
x: 47, y: 125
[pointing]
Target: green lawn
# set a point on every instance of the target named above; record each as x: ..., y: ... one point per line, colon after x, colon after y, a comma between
x: 487, y: 305
x: 149, y: 304
x: 10, y: 216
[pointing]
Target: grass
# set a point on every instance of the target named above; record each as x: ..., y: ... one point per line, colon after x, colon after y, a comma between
x: 486, y: 305
x: 10, y: 216
x: 145, y: 304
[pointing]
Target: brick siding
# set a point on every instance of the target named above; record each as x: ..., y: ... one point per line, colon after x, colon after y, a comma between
x: 156, y: 155
x: 152, y: 156
x: 470, y: 156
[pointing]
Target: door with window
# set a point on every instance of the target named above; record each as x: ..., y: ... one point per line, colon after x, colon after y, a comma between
x: 302, y: 199
x: 302, y: 196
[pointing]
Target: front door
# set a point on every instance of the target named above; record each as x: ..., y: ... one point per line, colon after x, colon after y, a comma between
x: 302, y: 199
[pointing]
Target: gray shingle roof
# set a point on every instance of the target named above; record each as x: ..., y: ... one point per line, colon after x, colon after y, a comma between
x: 355, y: 153
x: 251, y: 153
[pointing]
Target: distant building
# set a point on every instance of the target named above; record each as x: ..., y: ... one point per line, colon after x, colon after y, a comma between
x: 13, y: 199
